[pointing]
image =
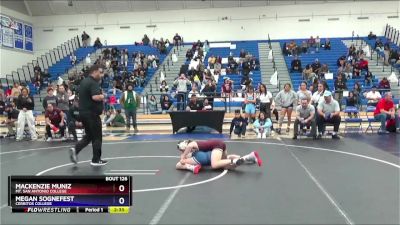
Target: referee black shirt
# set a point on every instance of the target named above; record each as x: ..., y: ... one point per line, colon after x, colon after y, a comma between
x: 89, y: 87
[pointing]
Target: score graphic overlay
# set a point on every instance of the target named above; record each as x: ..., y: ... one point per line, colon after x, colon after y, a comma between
x: 70, y: 194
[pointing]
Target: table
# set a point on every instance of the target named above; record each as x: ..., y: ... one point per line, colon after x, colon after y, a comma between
x: 212, y: 119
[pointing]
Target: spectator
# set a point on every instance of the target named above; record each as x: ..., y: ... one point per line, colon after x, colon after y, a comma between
x: 352, y: 101
x: 189, y: 54
x: 130, y: 101
x: 317, y: 42
x: 63, y: 100
x: 50, y: 98
x: 311, y: 42
x: 227, y: 88
x: 55, y: 120
x: 177, y: 39
x: 384, y: 85
x: 250, y: 104
x: 265, y: 98
x: 206, y: 105
x: 194, y: 91
x: 292, y: 48
x: 210, y: 91
x: 304, y: 47
x: 385, y: 111
x: 373, y: 96
x: 37, y: 80
x: 25, y: 105
x: 286, y: 99
x: 74, y: 119
x: 327, y: 44
x: 194, y: 104
x: 371, y: 36
x: 303, y: 93
x: 238, y: 125
x: 296, y: 65
x: 368, y: 78
x: 145, y: 40
x: 15, y: 91
x: 72, y: 59
x: 109, y: 117
x: 378, y: 45
x: 124, y: 58
x: 316, y: 66
x: 37, y: 68
x: 11, y: 121
x: 308, y: 73
x: 152, y: 105
x: 88, y: 60
x: 305, y: 116
x: 85, y: 39
x: 262, y: 126
x: 328, y: 112
x: 181, y: 86
x: 340, y: 86
x: 166, y: 103
x: 164, y: 87
x: 118, y: 120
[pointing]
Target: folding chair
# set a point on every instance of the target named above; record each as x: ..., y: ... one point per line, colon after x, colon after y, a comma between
x: 347, y: 120
x: 370, y: 120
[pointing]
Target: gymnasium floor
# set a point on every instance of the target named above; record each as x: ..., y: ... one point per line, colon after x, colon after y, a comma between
x: 351, y: 181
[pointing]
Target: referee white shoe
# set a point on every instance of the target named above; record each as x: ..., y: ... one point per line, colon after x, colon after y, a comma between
x: 99, y: 163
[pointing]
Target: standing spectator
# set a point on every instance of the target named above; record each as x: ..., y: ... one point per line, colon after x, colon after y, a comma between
x: 130, y: 102
x: 145, y: 40
x: 11, y: 121
x: 25, y: 105
x: 296, y: 65
x: 340, y: 86
x: 177, y: 40
x: 305, y: 116
x: 124, y: 57
x: 238, y: 125
x: 385, y: 111
x: 181, y: 87
x: 37, y: 68
x: 265, y: 98
x: 328, y: 112
x: 54, y: 121
x: 327, y: 44
x: 373, y: 96
x: 262, y: 126
x: 164, y: 87
x: 50, y: 98
x: 286, y: 99
x: 97, y: 43
x: 250, y: 104
x: 85, y: 39
x: 227, y: 88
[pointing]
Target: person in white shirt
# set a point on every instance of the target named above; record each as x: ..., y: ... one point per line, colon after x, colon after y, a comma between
x: 373, y: 96
x: 72, y: 59
x: 265, y: 98
x: 303, y: 93
x: 194, y: 91
x: 318, y: 96
x: 88, y: 60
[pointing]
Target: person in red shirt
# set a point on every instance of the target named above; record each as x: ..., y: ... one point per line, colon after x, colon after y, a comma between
x: 54, y: 120
x: 385, y: 111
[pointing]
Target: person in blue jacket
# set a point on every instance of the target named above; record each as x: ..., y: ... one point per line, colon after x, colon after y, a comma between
x: 262, y: 126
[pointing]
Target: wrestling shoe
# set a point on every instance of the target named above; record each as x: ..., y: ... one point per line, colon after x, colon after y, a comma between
x: 196, y: 169
x: 99, y: 163
x: 254, y: 157
x: 72, y: 155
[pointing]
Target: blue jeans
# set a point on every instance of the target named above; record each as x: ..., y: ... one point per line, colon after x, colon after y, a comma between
x: 383, y: 117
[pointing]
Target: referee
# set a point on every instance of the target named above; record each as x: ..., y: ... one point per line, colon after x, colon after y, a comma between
x: 90, y: 109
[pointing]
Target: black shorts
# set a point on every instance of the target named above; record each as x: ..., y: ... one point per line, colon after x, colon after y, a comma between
x: 286, y: 107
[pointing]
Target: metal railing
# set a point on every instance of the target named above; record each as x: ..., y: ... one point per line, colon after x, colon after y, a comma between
x: 26, y: 73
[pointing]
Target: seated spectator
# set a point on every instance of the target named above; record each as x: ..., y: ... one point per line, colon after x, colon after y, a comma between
x: 194, y: 104
x: 152, y: 105
x: 373, y: 96
x: 262, y: 126
x: 328, y: 112
x: 211, y: 61
x: 324, y: 70
x: 303, y: 93
x: 242, y: 53
x: 227, y: 88
x: 316, y: 66
x: 165, y: 103
x: 97, y: 43
x: 37, y: 68
x: 238, y: 125
x: 305, y: 117
x: 347, y: 71
x: 72, y: 59
x: 352, y: 101
x: 49, y: 99
x: 352, y: 51
x: 37, y: 80
x: 209, y: 91
x: 25, y: 105
x: 194, y: 91
x: 109, y: 117
x: 363, y: 64
x: 304, y: 47
x: 46, y: 76
x: 118, y: 120
x: 254, y: 63
x: 11, y: 121
x: 206, y: 105
x: 384, y: 85
x: 164, y: 87
x: 55, y: 120
x: 378, y: 45
x: 232, y: 66
x: 145, y: 40
x: 296, y: 65
x: 385, y: 111
x: 327, y: 44
x: 189, y: 55
x: 371, y: 36
x: 292, y: 48
x: 74, y: 120
x: 308, y: 73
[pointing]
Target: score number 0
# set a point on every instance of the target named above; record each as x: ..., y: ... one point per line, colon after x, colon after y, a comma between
x: 121, y: 200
